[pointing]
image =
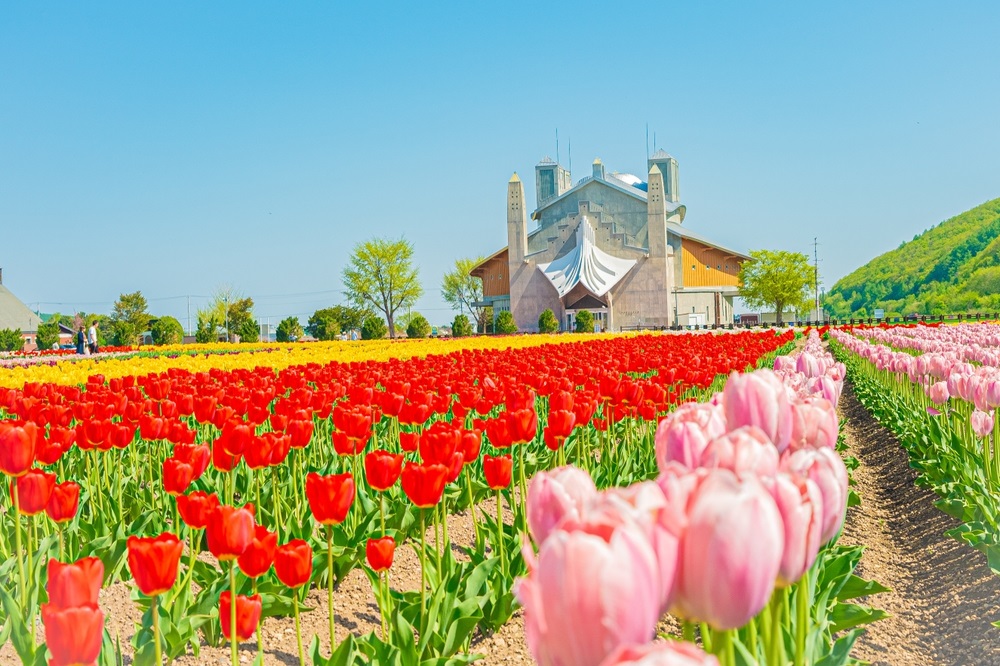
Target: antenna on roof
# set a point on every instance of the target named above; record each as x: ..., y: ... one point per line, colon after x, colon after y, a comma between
x: 654, y: 142
x: 557, y: 145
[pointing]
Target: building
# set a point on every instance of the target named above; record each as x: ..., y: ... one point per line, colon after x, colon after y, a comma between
x: 612, y: 244
x: 15, y: 315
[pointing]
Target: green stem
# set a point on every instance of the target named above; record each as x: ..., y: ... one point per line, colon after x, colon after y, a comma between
x: 156, y: 630
x: 381, y: 510
x: 472, y: 506
x: 499, y: 546
x: 298, y: 627
x: 329, y: 588
x: 801, y: 620
x: 233, y: 637
x: 260, y: 637
x: 423, y: 573
x: 726, y: 652
x: 17, y: 546
x: 524, y: 491
x: 687, y: 631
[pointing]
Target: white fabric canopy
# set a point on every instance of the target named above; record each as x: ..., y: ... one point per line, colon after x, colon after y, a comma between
x: 597, y: 270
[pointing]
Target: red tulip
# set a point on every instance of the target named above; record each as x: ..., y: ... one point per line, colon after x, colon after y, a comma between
x: 382, y: 469
x: 73, y: 635
x: 177, y: 476
x: 259, y: 555
x: 380, y: 552
x: 300, y: 432
x: 409, y: 441
x: 198, y: 457
x: 33, y: 491
x: 472, y: 442
x: 498, y: 471
x: 330, y: 497
x: 196, y: 508
x: 424, y: 484
x: 63, y: 502
x: 204, y: 408
x: 17, y: 448
x: 293, y: 563
x: 76, y: 584
x: 230, y: 531
x: 248, y: 611
x: 153, y: 562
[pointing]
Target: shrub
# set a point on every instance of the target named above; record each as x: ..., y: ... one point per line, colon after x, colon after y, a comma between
x: 584, y: 322
x: 11, y: 340
x: 373, y: 328
x: 48, y: 334
x: 166, y: 331
x: 418, y: 327
x: 288, y: 330
x: 461, y: 327
x: 547, y: 322
x: 505, y: 322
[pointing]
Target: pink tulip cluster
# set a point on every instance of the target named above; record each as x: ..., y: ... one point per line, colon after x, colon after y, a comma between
x: 954, y: 363
x: 750, y: 487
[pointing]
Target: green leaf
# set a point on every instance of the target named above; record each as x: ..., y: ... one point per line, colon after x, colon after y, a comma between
x: 20, y: 635
x: 848, y: 616
x: 859, y: 587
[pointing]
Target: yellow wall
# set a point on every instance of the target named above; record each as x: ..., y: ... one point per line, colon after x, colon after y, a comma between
x: 706, y: 266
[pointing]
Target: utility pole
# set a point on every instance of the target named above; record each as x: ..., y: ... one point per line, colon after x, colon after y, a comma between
x: 189, y: 315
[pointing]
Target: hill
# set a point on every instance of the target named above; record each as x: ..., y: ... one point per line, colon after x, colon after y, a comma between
x: 952, y: 267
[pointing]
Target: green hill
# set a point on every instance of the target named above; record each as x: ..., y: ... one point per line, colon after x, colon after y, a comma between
x: 953, y: 267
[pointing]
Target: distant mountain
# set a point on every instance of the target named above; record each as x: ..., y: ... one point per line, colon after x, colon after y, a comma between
x: 953, y: 267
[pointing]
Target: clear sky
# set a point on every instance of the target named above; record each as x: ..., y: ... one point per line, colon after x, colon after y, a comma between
x: 170, y: 147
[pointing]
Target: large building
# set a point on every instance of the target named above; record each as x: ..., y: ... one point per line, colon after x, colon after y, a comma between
x: 612, y: 244
x: 17, y: 316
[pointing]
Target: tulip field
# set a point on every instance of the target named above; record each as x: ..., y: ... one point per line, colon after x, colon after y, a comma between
x: 938, y: 389
x: 610, y: 480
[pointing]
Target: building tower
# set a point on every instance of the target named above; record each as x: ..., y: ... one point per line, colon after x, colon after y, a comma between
x: 667, y: 166
x: 551, y: 180
x: 517, y: 222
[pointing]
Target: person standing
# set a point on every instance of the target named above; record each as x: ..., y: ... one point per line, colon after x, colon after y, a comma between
x: 92, y: 337
x: 80, y: 338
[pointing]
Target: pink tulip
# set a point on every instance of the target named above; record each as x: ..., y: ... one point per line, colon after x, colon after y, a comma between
x: 809, y: 365
x: 730, y: 553
x: 564, y: 491
x: 938, y: 393
x: 982, y: 423
x: 814, y: 424
x: 827, y: 470
x: 761, y: 399
x: 746, y: 450
x: 684, y: 433
x: 661, y: 653
x: 993, y: 393
x: 585, y: 597
x: 800, y: 504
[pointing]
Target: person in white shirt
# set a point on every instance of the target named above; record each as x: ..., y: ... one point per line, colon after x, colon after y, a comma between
x: 92, y: 337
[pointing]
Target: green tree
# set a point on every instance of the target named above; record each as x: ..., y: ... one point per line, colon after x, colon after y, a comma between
x: 289, y: 329
x: 584, y: 321
x: 130, y: 318
x: 381, y: 274
x: 462, y: 291
x: 418, y: 326
x: 48, y: 333
x: 166, y: 331
x: 373, y: 328
x: 461, y: 327
x: 230, y: 310
x: 777, y: 279
x: 11, y: 340
x: 486, y: 325
x: 547, y: 322
x: 505, y: 322
x: 324, y: 325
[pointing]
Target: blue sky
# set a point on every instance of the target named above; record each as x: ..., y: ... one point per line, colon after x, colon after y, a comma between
x: 174, y: 147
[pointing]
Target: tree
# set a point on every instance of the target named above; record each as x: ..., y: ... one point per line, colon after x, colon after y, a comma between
x: 48, y: 333
x: 249, y: 329
x: 208, y: 328
x: 324, y: 325
x: 486, y: 325
x: 777, y: 279
x: 462, y: 291
x: 289, y: 330
x: 547, y: 322
x: 584, y: 321
x: 231, y: 311
x: 418, y: 327
x: 11, y: 340
x: 461, y: 327
x: 130, y: 318
x: 166, y: 331
x: 381, y: 274
x: 373, y: 328
x: 505, y: 322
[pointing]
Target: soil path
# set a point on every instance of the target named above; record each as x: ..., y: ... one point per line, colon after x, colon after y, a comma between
x: 943, y: 596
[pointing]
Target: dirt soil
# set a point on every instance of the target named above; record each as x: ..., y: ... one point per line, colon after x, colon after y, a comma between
x: 943, y: 596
